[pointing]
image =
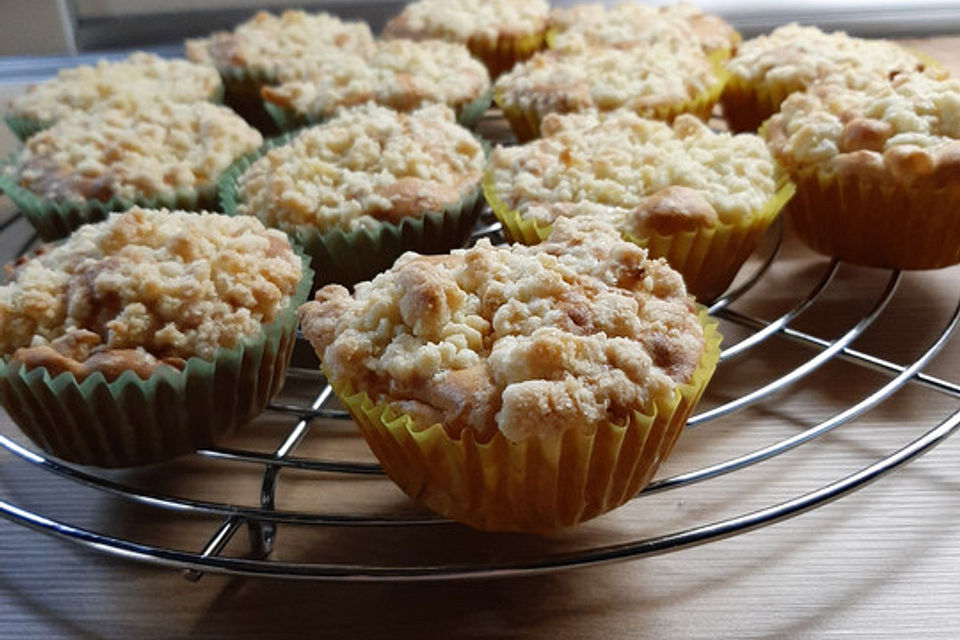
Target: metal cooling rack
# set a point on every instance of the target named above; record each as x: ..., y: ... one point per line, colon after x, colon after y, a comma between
x: 265, y: 522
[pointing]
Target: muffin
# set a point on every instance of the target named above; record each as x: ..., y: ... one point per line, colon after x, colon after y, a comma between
x: 147, y: 335
x: 629, y: 24
x: 499, y: 32
x: 519, y: 388
x: 159, y: 155
x: 250, y: 56
x: 660, y: 81
x: 700, y: 199
x: 125, y: 84
x: 768, y: 68
x: 360, y: 189
x: 401, y: 74
x: 876, y: 170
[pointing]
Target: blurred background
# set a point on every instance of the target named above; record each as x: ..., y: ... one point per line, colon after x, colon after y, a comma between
x: 57, y: 27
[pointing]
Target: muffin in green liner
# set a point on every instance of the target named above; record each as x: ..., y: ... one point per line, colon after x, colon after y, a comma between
x: 400, y: 74
x: 163, y: 156
x: 429, y: 205
x: 122, y: 407
x: 126, y: 84
x: 249, y: 57
x: 285, y: 119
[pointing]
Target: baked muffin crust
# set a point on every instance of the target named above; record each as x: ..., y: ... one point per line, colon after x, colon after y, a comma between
x: 126, y: 84
x: 530, y: 341
x: 906, y: 130
x: 144, y: 287
x: 268, y: 41
x: 401, y: 74
x: 639, y: 175
x: 158, y: 149
x: 631, y: 24
x: 367, y: 165
x: 641, y: 79
x: 794, y: 57
x: 465, y: 20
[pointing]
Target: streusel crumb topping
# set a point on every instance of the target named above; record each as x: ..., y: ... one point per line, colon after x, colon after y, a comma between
x: 631, y: 24
x: 160, y: 149
x: 401, y: 74
x: 145, y: 285
x: 603, y: 78
x: 794, y: 57
x: 463, y: 20
x: 268, y: 41
x: 907, y: 129
x: 632, y: 171
x: 125, y: 84
x: 368, y: 165
x: 530, y: 341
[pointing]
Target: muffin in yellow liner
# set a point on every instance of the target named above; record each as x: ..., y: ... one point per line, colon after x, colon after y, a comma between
x: 876, y: 170
x: 557, y: 408
x: 148, y: 335
x: 631, y: 24
x: 792, y: 58
x: 661, y: 81
x: 498, y: 32
x: 700, y: 199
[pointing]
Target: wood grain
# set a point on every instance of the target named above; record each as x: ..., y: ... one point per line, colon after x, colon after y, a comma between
x: 883, y: 562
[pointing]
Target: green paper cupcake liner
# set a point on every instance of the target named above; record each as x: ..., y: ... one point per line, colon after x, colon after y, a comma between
x: 55, y: 220
x: 285, y: 119
x: 242, y: 87
x: 130, y: 421
x: 347, y: 257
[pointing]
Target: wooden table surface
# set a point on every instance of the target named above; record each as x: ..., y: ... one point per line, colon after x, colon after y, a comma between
x: 882, y: 562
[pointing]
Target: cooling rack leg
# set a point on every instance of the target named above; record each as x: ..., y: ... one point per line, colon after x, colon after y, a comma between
x: 262, y: 537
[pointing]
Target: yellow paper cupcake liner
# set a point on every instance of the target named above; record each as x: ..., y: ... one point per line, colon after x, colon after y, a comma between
x: 508, y: 50
x: 708, y: 259
x: 746, y: 105
x: 525, y: 121
x: 536, y: 485
x: 877, y: 224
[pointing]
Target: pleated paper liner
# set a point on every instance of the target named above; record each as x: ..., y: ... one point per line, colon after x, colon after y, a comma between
x: 537, y: 485
x: 54, y: 220
x: 130, y: 421
x: 507, y: 51
x: 877, y: 224
x: 746, y: 104
x: 468, y: 114
x: 24, y: 127
x: 242, y: 87
x: 525, y: 122
x: 708, y: 259
x: 347, y: 257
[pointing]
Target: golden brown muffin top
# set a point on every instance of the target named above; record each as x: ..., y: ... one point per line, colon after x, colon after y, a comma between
x: 661, y: 75
x: 401, y: 74
x: 368, y: 165
x: 159, y: 149
x: 268, y: 41
x: 143, y: 287
x: 794, y: 57
x: 465, y: 20
x: 125, y: 84
x: 640, y: 175
x: 907, y: 130
x: 631, y: 24
x: 528, y: 341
